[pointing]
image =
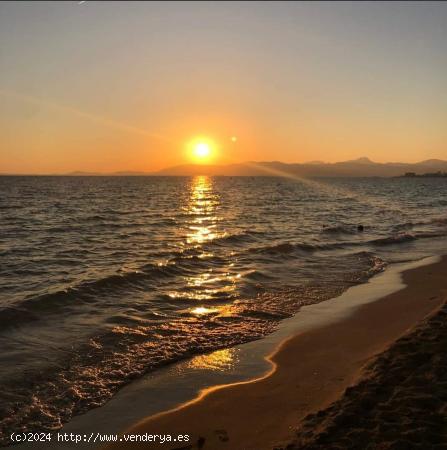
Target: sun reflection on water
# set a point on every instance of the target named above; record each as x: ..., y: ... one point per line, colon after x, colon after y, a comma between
x: 203, y: 205
x: 218, y: 360
x: 218, y: 280
x: 201, y: 310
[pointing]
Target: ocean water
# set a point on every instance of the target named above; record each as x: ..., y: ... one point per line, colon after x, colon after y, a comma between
x: 103, y: 279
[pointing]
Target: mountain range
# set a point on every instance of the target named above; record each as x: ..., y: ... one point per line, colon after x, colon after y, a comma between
x: 361, y: 167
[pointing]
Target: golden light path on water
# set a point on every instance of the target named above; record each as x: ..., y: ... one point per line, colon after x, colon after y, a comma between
x: 202, y: 227
x: 202, y: 208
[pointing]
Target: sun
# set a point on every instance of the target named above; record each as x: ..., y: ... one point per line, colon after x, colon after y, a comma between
x: 202, y: 150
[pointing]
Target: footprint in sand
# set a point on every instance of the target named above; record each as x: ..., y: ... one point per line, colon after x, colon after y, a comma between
x: 222, y: 435
x: 199, y: 445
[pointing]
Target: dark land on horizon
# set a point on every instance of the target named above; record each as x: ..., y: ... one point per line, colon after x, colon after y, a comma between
x: 361, y: 167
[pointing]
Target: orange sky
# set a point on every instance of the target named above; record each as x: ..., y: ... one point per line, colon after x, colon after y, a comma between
x: 116, y: 86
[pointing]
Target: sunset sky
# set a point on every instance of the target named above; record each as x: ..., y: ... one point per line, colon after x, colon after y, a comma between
x: 106, y: 86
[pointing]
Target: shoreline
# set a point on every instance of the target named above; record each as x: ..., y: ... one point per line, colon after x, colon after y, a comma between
x: 245, y: 415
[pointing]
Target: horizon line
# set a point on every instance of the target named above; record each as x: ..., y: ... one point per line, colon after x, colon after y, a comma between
x: 132, y: 172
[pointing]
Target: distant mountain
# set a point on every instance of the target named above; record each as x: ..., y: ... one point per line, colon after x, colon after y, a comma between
x: 362, y: 167
x: 433, y: 163
x: 130, y: 173
x: 80, y: 173
x: 122, y: 173
x: 362, y: 160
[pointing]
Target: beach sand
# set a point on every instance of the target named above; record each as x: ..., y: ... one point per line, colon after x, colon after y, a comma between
x: 400, y: 404
x: 311, y: 371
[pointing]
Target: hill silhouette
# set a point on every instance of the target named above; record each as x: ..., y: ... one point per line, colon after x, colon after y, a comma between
x: 361, y: 167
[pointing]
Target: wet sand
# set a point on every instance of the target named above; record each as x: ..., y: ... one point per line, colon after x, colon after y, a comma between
x: 310, y: 371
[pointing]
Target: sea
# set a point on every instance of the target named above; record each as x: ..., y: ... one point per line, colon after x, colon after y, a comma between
x: 105, y: 279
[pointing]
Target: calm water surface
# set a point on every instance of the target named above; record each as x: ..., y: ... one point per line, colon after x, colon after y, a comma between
x: 105, y: 278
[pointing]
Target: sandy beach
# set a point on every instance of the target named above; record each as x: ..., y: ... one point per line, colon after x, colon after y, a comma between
x: 310, y: 371
x: 400, y: 403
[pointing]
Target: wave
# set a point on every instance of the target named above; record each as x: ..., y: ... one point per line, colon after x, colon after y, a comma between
x: 440, y: 221
x: 407, y: 237
x: 377, y: 265
x: 147, y: 277
x: 258, y: 275
x: 287, y: 248
x: 282, y: 248
x: 396, y: 239
x: 403, y: 226
x: 181, y: 264
x: 166, y: 221
x: 247, y: 236
x: 339, y: 229
x: 86, y: 292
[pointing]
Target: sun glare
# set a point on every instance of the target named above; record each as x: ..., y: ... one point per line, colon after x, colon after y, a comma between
x: 202, y: 150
